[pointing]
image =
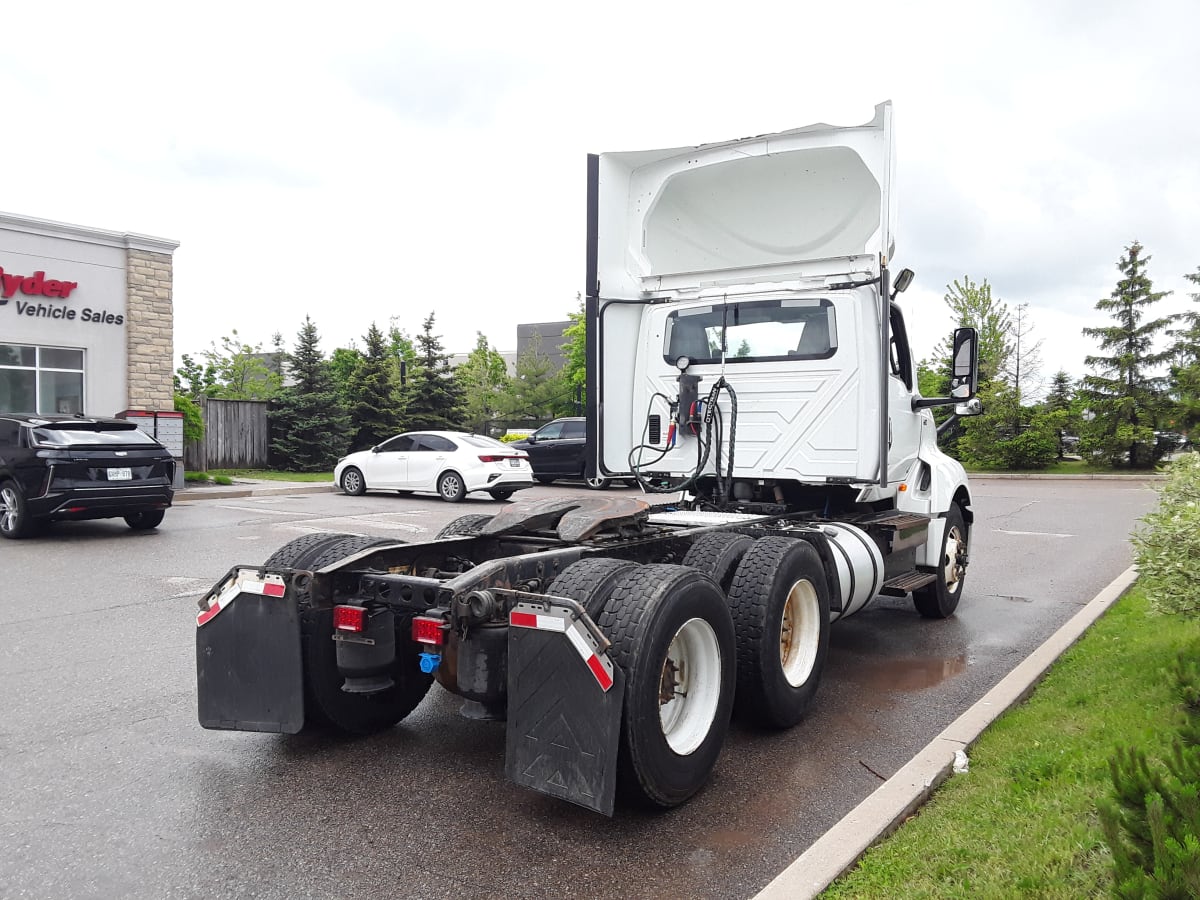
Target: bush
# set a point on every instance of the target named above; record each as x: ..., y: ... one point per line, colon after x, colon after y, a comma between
x: 222, y: 479
x: 513, y: 436
x: 1152, y: 822
x: 1168, y: 545
x: 196, y: 477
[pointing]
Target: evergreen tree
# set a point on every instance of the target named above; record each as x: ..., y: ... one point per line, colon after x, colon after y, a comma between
x: 374, y: 406
x: 434, y: 398
x: 1060, y: 407
x: 1124, y: 398
x: 309, y: 425
x: 1185, y: 367
x: 484, y: 380
x: 1007, y: 435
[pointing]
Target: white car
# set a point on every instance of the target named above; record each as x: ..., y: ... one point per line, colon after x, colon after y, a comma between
x: 449, y: 462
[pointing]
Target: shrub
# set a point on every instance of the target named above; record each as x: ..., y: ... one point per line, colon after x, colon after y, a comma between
x: 1152, y: 822
x: 1168, y: 545
x: 197, y: 477
x: 513, y: 436
x: 222, y: 479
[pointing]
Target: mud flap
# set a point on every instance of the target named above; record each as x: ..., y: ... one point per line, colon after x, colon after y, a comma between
x: 249, y: 674
x: 564, y: 708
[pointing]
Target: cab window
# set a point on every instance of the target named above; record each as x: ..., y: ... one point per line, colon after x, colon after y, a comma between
x: 900, y: 355
x: 752, y: 331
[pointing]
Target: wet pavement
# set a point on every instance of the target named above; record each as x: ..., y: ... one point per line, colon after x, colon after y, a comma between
x: 112, y: 789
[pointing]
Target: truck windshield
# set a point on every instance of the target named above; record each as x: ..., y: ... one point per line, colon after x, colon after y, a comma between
x: 752, y: 331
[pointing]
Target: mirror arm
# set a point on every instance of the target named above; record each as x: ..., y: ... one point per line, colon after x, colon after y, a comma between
x: 949, y: 423
x: 927, y: 402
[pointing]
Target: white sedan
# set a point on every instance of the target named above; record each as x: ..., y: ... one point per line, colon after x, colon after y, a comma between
x: 449, y: 462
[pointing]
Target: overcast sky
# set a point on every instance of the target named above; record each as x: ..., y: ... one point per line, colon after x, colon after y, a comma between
x: 357, y: 162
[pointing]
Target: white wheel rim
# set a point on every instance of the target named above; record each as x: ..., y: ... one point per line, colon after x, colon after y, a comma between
x: 449, y: 486
x: 951, y: 571
x: 690, y: 686
x: 351, y: 481
x: 8, y: 509
x: 799, y: 633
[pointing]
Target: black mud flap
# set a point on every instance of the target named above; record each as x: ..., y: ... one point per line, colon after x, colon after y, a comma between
x: 249, y: 674
x: 564, y: 708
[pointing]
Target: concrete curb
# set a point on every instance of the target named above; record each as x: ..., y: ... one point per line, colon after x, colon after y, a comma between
x: 221, y: 492
x: 840, y: 848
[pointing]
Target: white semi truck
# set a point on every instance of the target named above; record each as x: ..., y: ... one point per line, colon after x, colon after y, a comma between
x: 748, y: 367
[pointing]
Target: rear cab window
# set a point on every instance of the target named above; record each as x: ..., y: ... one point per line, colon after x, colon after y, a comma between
x: 752, y: 331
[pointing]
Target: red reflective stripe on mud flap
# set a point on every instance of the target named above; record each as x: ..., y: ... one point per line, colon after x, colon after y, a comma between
x: 524, y: 620
x: 266, y: 588
x: 597, y: 668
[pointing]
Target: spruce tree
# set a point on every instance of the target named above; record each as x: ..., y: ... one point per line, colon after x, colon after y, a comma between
x: 1060, y: 407
x: 538, y: 392
x: 309, y: 425
x: 1123, y: 395
x: 375, y: 402
x: 434, y: 399
x: 1185, y: 367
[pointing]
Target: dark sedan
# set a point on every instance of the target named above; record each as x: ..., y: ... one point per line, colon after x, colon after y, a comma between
x: 557, y: 451
x: 80, y: 467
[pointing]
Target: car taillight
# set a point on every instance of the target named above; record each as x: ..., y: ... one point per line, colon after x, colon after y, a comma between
x: 350, y: 618
x: 428, y: 630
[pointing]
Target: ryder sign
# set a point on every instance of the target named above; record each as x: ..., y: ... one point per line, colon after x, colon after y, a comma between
x: 19, y: 287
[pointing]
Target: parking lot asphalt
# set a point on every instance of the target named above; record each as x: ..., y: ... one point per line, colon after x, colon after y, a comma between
x: 900, y: 795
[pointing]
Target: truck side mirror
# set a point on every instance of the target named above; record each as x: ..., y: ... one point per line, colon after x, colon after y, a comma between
x: 973, y: 407
x: 964, y: 380
x: 903, y: 280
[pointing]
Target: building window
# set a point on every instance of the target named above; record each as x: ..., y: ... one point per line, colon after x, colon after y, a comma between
x: 40, y: 379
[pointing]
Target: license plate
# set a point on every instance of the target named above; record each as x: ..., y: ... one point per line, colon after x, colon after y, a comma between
x: 120, y: 474
x: 514, y: 462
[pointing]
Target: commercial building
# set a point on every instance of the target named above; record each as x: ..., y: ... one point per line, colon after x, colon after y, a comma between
x: 85, y: 319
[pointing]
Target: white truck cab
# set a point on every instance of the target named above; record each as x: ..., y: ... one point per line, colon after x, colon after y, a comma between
x: 746, y: 346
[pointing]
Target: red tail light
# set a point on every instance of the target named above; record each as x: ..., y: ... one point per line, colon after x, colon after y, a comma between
x: 428, y: 630
x: 350, y: 618
x: 491, y: 458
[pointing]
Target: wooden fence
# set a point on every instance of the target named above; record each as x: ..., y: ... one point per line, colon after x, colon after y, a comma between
x: 235, y: 437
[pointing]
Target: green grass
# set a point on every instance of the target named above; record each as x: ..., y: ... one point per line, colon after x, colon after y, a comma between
x: 272, y: 475
x: 1022, y: 821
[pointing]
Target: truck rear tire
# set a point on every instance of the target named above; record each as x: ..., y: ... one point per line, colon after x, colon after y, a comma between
x: 939, y: 600
x: 591, y: 582
x: 296, y: 553
x: 717, y: 556
x: 464, y: 525
x: 780, y: 604
x: 672, y: 635
x: 326, y: 705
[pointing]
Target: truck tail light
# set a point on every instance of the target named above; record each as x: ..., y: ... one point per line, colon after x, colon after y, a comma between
x: 428, y: 630
x: 350, y: 618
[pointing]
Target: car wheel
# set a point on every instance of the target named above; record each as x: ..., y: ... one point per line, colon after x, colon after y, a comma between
x: 14, y: 514
x: 501, y: 495
x: 598, y: 484
x: 353, y: 482
x: 144, y: 521
x: 451, y: 487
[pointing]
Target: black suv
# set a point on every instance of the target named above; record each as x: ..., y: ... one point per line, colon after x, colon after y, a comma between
x: 556, y: 450
x: 80, y: 467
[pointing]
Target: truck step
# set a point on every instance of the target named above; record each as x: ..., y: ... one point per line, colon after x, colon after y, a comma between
x: 909, y: 581
x: 898, y: 519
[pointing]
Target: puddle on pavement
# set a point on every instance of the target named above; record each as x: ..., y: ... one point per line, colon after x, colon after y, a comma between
x: 913, y: 674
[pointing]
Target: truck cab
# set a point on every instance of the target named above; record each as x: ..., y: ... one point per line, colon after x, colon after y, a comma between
x: 746, y: 345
